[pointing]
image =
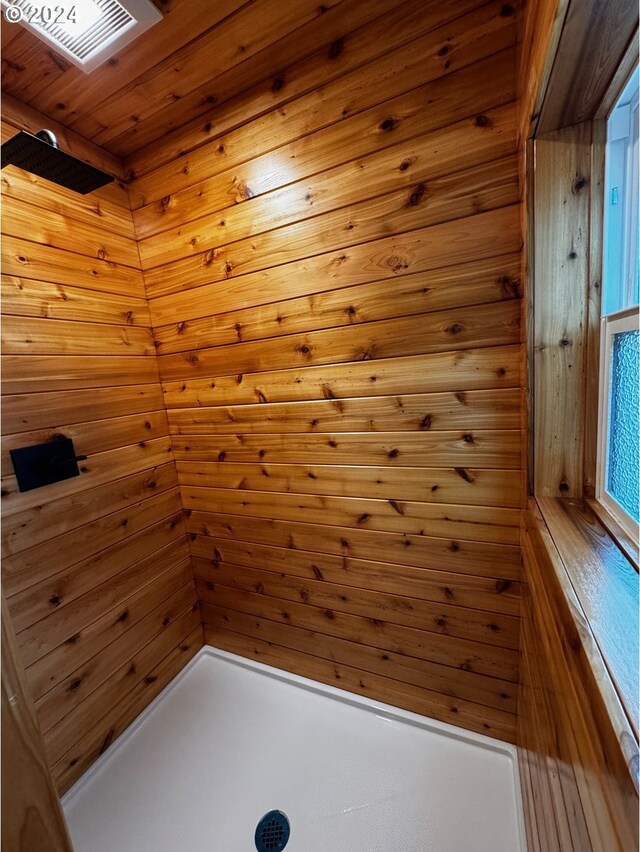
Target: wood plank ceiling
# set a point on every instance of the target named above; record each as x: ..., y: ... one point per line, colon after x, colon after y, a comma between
x: 199, y: 56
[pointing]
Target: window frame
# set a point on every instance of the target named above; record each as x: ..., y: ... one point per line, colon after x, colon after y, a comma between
x: 625, y: 318
x: 620, y: 321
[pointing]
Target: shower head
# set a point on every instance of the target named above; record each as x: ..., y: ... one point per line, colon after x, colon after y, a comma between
x: 41, y: 156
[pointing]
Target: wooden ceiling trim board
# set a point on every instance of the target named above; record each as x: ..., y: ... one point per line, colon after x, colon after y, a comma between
x: 76, y: 93
x: 406, y: 163
x: 466, y: 369
x: 350, y: 39
x: 24, y: 117
x: 217, y: 103
x: 370, y: 95
x: 8, y: 35
x: 252, y: 28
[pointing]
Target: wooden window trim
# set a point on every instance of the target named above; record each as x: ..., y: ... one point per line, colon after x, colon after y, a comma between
x: 574, y: 540
x: 592, y: 554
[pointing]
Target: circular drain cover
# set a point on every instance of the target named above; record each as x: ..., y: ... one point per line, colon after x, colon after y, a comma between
x: 272, y: 832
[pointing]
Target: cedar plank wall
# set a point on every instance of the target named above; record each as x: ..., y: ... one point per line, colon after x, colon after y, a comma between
x: 96, y: 569
x: 332, y: 267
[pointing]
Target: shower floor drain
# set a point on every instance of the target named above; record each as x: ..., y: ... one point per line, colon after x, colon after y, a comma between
x: 272, y: 832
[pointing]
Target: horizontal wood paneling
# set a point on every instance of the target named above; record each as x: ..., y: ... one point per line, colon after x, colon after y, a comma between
x: 90, y: 563
x: 27, y: 297
x: 497, y: 449
x: 439, y: 485
x: 23, y: 412
x: 136, y: 696
x: 451, y: 588
x: 344, y: 533
x: 334, y: 289
x: 411, y: 412
x: 458, y: 371
x: 492, y: 280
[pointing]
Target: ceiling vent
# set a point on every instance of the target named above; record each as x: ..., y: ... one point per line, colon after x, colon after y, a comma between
x: 86, y: 32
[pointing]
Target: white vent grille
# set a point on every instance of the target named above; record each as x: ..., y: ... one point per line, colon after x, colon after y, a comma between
x: 83, y: 30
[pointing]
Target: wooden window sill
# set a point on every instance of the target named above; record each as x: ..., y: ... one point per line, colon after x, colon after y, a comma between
x: 601, y: 585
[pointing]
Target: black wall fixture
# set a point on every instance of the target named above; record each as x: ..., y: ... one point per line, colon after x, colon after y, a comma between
x: 44, y: 464
x: 40, y: 155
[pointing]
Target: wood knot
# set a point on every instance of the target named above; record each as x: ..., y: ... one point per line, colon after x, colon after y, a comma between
x: 417, y: 195
x: 481, y: 121
x: 578, y: 184
x: 389, y: 124
x: 336, y: 48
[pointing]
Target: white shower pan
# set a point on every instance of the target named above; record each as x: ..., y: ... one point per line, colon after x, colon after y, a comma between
x: 229, y: 740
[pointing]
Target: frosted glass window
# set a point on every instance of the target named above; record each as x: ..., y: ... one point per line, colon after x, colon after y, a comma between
x: 623, y: 472
x: 618, y: 475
